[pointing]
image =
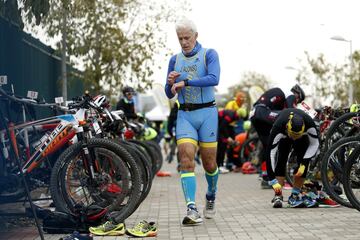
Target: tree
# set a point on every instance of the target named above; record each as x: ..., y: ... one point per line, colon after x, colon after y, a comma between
x: 356, y: 75
x: 114, y: 41
x: 248, y: 79
x: 17, y: 10
x: 330, y: 82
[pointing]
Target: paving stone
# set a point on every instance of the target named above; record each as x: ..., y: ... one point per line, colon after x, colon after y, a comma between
x: 243, y: 212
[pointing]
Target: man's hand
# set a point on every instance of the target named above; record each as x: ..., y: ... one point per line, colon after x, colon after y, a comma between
x: 172, y: 77
x: 300, y: 170
x: 177, y: 86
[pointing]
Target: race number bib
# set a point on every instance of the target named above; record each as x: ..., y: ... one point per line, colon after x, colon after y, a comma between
x: 306, y: 108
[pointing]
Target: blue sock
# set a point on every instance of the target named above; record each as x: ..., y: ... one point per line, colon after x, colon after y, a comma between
x: 188, y: 181
x: 295, y: 191
x: 212, y: 179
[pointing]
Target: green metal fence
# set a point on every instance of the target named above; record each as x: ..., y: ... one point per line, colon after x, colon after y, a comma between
x: 31, y: 65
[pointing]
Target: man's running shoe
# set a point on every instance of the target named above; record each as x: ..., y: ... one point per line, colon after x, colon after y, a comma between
x: 277, y: 201
x: 209, y: 210
x: 192, y: 217
x: 143, y: 229
x: 295, y: 201
x: 77, y: 236
x: 108, y: 229
x: 310, y: 200
x: 265, y: 185
x: 223, y: 170
x: 325, y: 201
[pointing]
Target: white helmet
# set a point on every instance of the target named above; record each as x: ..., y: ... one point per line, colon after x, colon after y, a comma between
x: 100, y: 100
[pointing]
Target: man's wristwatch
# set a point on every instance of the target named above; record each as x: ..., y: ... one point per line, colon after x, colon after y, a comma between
x: 186, y: 82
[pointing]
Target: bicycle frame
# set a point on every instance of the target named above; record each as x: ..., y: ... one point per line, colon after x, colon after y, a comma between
x: 67, y: 127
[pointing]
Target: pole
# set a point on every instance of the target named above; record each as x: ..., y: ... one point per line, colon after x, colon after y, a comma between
x: 351, y: 87
x: 63, y: 54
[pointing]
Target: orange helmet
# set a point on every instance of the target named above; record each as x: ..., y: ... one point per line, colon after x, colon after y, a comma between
x: 239, y: 98
x: 248, y: 168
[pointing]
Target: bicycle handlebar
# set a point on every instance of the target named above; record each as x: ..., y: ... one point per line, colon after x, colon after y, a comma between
x: 29, y: 101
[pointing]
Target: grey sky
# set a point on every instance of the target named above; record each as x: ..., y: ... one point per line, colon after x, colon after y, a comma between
x: 267, y: 35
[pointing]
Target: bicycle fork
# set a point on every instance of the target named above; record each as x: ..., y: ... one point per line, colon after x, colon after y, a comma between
x: 84, y: 135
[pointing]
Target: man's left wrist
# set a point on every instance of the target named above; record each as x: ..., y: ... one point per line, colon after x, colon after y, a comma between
x: 186, y: 82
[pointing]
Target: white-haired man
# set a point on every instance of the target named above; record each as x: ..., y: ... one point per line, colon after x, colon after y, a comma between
x: 192, y: 74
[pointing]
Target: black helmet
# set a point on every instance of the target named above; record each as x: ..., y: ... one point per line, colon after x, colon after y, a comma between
x: 298, y: 90
x: 295, y: 126
x: 128, y: 89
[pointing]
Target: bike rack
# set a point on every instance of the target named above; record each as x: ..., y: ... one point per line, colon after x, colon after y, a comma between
x: 25, y: 182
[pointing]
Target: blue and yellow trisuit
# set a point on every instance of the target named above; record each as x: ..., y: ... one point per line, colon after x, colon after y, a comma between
x: 197, y: 119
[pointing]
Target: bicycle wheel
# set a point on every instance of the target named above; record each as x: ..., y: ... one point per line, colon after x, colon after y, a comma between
x: 114, y: 186
x: 144, y: 165
x: 12, y: 185
x: 344, y: 126
x: 332, y: 167
x: 351, y: 178
x: 12, y: 188
x: 157, y: 152
x: 291, y: 165
x: 313, y: 173
x: 150, y: 152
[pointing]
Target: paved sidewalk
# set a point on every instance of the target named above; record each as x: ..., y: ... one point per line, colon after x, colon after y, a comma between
x: 243, y: 212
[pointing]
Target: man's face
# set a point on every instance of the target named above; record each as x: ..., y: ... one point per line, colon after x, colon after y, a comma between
x: 129, y: 95
x: 240, y: 100
x: 187, y: 39
x: 297, y: 97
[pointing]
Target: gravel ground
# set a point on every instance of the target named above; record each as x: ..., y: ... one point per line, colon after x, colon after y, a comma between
x: 8, y: 223
x: 13, y: 215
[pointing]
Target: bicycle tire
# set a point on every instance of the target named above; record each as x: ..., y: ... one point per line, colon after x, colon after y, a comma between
x: 332, y: 166
x: 59, y: 190
x: 149, y: 151
x: 157, y: 152
x: 18, y: 193
x: 145, y: 167
x: 351, y: 169
x: 336, y: 130
x: 291, y: 164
